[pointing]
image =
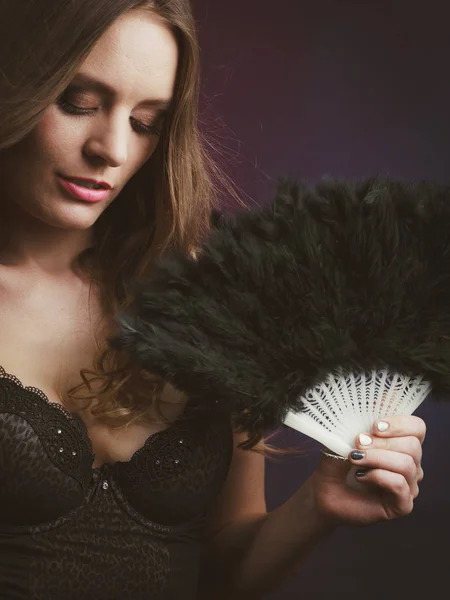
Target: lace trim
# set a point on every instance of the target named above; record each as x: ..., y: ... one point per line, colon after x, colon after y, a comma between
x: 163, y: 456
x: 167, y: 454
x: 62, y: 434
x: 66, y: 441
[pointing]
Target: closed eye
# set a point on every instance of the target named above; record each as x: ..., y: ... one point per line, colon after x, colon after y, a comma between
x: 139, y: 127
x: 143, y: 129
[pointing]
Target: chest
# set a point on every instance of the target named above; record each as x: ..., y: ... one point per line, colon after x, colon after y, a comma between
x: 49, y: 333
x: 46, y: 467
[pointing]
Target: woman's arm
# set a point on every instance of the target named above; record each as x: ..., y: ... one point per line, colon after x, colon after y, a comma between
x: 251, y: 552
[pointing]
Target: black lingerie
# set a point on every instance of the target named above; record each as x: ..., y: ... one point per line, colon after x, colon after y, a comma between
x: 130, y: 530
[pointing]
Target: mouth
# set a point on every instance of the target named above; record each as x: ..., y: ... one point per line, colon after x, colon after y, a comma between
x: 91, y: 184
x: 87, y: 190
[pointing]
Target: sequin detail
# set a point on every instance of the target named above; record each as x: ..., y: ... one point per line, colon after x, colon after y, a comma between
x: 132, y: 531
x: 32, y: 405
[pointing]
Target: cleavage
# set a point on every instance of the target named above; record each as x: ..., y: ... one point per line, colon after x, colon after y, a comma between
x: 106, y: 445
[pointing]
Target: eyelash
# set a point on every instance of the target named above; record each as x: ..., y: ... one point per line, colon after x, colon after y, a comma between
x: 139, y: 128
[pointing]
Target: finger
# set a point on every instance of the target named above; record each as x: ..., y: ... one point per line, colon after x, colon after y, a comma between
x: 405, y: 445
x: 397, y: 496
x: 400, y: 426
x: 396, y: 462
x: 420, y: 475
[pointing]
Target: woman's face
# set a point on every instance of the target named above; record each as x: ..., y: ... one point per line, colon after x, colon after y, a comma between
x: 104, y: 127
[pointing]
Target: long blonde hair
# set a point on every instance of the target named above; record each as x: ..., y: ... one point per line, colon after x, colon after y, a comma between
x: 42, y: 45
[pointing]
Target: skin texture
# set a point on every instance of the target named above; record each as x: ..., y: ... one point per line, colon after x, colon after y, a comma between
x: 252, y: 552
x: 48, y: 313
x: 392, y: 466
x: 137, y: 57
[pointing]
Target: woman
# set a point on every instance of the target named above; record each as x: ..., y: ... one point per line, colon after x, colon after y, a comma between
x: 105, y: 491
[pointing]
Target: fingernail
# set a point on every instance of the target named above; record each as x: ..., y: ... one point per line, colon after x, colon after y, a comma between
x: 360, y: 473
x: 383, y: 426
x: 357, y: 455
x: 365, y: 440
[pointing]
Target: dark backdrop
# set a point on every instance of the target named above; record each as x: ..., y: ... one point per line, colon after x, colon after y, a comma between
x: 349, y: 89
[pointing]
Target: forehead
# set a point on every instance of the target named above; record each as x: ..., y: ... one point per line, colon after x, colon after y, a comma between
x: 137, y: 56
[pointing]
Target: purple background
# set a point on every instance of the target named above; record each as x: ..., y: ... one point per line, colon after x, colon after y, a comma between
x: 346, y: 89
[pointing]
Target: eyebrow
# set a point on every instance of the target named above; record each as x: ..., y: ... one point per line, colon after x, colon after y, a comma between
x: 99, y: 86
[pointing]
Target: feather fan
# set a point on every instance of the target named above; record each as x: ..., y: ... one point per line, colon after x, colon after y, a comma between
x: 341, y: 280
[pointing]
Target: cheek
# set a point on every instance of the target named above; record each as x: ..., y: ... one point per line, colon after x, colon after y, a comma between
x: 55, y: 135
x: 141, y: 155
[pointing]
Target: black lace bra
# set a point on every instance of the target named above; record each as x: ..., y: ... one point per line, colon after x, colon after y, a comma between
x: 125, y: 530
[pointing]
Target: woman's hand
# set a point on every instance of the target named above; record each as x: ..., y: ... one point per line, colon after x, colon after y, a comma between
x: 388, y: 462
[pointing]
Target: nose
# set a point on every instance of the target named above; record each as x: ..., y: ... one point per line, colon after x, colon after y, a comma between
x: 109, y: 141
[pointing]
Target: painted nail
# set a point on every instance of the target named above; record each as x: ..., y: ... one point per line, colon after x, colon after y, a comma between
x: 365, y: 440
x: 383, y: 426
x: 357, y: 455
x: 360, y: 473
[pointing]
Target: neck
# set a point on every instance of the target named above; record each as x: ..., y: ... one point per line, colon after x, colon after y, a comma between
x: 33, y: 245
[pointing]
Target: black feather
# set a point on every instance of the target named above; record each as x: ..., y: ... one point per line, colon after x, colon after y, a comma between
x: 344, y: 275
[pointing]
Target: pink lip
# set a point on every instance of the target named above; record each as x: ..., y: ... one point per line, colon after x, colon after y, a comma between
x: 81, y: 193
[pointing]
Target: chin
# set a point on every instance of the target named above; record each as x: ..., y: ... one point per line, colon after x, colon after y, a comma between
x: 78, y: 217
